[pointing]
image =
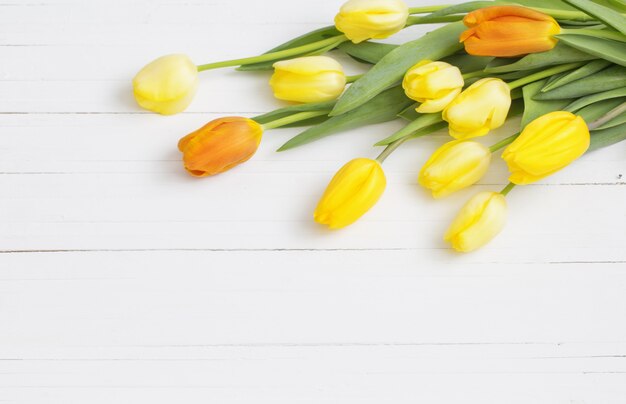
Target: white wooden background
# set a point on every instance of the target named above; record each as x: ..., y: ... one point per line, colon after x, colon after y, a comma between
x: 123, y: 280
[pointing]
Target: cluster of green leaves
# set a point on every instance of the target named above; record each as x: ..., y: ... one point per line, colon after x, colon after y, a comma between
x: 594, y: 37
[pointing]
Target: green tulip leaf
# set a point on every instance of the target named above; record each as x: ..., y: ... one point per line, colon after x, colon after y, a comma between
x: 435, y: 45
x: 367, y: 52
x: 382, y: 108
x: 533, y: 109
x: 293, y: 109
x: 596, y: 111
x: 613, y: 51
x: 410, y: 114
x: 422, y: 121
x: 607, y: 15
x: 468, y: 63
x: 591, y: 99
x: 607, y: 79
x: 560, y: 54
x: 464, y: 8
x: 569, y: 77
x: 306, y: 39
x: 607, y: 137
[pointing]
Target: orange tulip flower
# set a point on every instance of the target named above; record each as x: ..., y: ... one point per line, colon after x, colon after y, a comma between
x: 507, y: 31
x: 220, y: 145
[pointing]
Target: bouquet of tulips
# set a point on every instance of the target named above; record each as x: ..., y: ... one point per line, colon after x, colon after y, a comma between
x: 560, y: 64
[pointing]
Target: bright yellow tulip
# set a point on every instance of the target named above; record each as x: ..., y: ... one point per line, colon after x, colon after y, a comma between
x: 353, y: 191
x: 546, y: 145
x: 220, y: 145
x: 454, y: 166
x: 167, y: 85
x: 361, y: 20
x: 308, y: 79
x: 483, y: 106
x: 478, y: 222
x: 433, y: 84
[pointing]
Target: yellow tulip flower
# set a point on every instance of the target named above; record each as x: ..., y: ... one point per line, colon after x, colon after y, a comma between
x: 167, y: 85
x: 483, y: 106
x: 308, y: 79
x: 220, y: 145
x: 546, y: 145
x: 353, y: 191
x: 454, y: 166
x: 478, y: 222
x: 433, y: 84
x: 361, y: 20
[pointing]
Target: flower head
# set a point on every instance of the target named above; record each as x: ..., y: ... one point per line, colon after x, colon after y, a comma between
x: 481, y: 107
x: 308, y: 79
x: 454, y: 166
x: 433, y: 84
x: 167, y: 85
x: 353, y: 191
x: 507, y: 31
x: 220, y: 145
x: 478, y: 222
x: 361, y: 20
x: 546, y: 145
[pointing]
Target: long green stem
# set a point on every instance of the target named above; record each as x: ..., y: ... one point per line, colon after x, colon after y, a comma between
x: 472, y: 75
x: 597, y: 33
x: 276, y: 55
x: 507, y: 189
x: 301, y: 116
x: 612, y: 114
x: 433, y: 20
x: 391, y: 148
x: 427, y: 9
x: 503, y: 143
x: 543, y: 74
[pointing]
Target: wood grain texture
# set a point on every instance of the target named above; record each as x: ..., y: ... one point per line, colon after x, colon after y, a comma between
x: 123, y: 280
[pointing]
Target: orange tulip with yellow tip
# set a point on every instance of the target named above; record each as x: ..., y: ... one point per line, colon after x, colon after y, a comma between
x: 508, y: 31
x: 220, y: 145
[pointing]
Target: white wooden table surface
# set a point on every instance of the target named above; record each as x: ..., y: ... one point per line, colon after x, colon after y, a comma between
x: 123, y: 280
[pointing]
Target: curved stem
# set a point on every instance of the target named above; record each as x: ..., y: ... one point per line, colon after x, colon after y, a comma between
x: 507, y: 189
x: 427, y: 9
x: 597, y: 33
x: 503, y: 143
x: 391, y: 148
x: 543, y: 74
x: 472, y: 75
x: 276, y: 55
x: 433, y: 20
x: 301, y: 116
x: 612, y: 114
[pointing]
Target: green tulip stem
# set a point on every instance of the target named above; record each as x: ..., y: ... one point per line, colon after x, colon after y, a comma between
x: 288, y: 120
x: 612, y: 114
x: 503, y: 143
x: 426, y: 19
x: 507, y: 189
x: 352, y: 79
x: 284, y: 54
x: 596, y: 33
x: 391, y: 148
x: 427, y: 9
x: 473, y: 75
x: 543, y: 74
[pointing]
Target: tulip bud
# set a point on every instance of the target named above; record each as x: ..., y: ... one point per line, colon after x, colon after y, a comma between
x: 507, y: 31
x: 167, y: 85
x: 308, y: 79
x: 478, y: 222
x: 433, y: 84
x: 220, y: 145
x: 546, y: 145
x: 353, y: 191
x: 361, y: 20
x: 483, y: 106
x: 454, y: 166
